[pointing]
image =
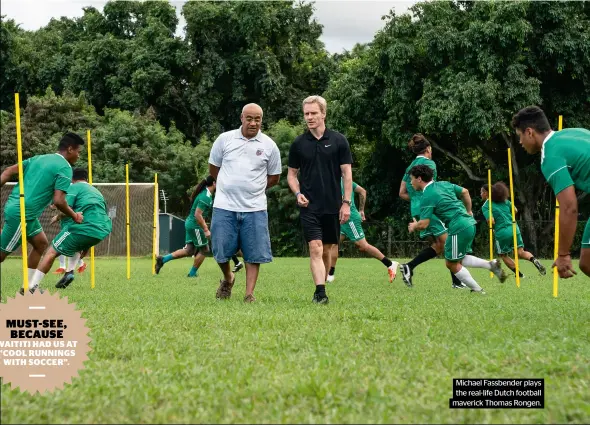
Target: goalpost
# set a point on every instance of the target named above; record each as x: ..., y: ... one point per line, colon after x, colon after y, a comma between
x: 141, y: 219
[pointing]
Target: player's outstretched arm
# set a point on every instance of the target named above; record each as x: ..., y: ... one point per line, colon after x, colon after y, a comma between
x: 568, y: 218
x: 59, y: 200
x: 7, y: 174
x: 403, y: 191
x: 568, y: 221
x: 418, y: 225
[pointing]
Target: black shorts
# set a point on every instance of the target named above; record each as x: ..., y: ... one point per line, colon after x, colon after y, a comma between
x: 322, y: 227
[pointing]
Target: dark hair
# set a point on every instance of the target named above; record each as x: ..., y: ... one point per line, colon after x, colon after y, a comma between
x: 202, y: 185
x: 69, y: 140
x: 486, y: 188
x: 418, y: 143
x: 500, y: 192
x: 422, y: 171
x: 80, y: 174
x: 531, y: 117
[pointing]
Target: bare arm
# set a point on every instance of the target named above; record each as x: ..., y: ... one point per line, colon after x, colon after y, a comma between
x: 272, y: 181
x: 293, y: 182
x: 362, y: 197
x: 201, y: 220
x: 59, y: 200
x: 466, y: 199
x: 214, y: 170
x: 403, y: 191
x: 347, y: 180
x: 568, y: 219
x: 292, y: 179
x: 419, y: 225
x: 7, y: 174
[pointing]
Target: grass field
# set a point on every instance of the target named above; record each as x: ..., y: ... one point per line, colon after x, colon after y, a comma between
x: 164, y: 350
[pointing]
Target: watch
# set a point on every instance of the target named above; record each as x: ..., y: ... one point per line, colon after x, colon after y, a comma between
x: 345, y: 201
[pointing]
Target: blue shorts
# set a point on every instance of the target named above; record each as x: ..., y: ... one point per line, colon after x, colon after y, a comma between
x: 248, y: 231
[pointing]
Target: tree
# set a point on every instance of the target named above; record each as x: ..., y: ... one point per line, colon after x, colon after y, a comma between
x: 118, y: 137
x: 263, y: 52
x: 457, y: 72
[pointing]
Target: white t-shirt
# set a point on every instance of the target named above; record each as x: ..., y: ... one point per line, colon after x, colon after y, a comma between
x: 244, y: 167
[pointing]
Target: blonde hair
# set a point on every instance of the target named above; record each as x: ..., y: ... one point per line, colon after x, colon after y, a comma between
x: 316, y: 99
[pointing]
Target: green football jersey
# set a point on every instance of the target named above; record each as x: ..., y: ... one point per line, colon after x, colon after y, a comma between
x: 203, y: 201
x: 84, y: 198
x: 413, y: 194
x: 442, y: 199
x: 43, y: 174
x: 501, y: 211
x: 565, y: 159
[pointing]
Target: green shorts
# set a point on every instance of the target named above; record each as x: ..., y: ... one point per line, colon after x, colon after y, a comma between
x: 459, y: 245
x: 435, y: 229
x: 11, y: 232
x: 69, y: 241
x: 196, y: 237
x: 586, y: 236
x: 353, y: 229
x: 505, y: 240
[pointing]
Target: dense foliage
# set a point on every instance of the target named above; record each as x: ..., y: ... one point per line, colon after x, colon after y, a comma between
x: 454, y: 70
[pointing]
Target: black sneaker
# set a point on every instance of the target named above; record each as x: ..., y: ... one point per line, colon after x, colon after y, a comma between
x: 406, y: 274
x: 540, y: 267
x: 320, y: 298
x: 65, y: 281
x: 459, y: 286
x: 238, y: 267
x: 159, y: 263
x: 22, y: 290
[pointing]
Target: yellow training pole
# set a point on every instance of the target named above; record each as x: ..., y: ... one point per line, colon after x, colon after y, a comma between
x: 92, y: 279
x: 155, y: 223
x: 127, y: 221
x: 21, y: 185
x: 556, y: 243
x: 513, y: 219
x: 491, y: 216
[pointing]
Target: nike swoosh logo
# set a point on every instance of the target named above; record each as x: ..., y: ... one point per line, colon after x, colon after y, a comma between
x: 327, y: 146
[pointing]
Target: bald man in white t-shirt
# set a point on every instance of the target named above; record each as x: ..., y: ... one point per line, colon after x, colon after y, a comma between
x: 245, y: 162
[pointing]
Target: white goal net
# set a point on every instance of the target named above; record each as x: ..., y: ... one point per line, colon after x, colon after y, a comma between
x: 141, y: 219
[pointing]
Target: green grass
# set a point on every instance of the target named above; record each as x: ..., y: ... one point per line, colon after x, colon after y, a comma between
x: 165, y: 350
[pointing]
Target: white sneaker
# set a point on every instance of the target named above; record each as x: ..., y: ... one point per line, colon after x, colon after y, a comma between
x: 392, y: 270
x: 496, y: 268
x: 330, y: 278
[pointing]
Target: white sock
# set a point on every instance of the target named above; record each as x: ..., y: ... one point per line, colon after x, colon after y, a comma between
x: 31, y: 273
x: 80, y: 263
x: 72, y: 261
x: 62, y: 261
x: 37, y: 278
x: 479, y: 263
x: 464, y: 276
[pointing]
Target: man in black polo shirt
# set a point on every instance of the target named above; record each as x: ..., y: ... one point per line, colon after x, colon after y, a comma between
x: 323, y: 157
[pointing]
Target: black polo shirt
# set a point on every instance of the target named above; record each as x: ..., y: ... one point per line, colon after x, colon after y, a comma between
x: 319, y: 163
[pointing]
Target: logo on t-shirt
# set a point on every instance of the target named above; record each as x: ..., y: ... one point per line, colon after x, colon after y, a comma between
x: 259, y: 152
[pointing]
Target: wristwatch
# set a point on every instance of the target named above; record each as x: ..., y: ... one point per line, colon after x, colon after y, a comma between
x: 345, y: 201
